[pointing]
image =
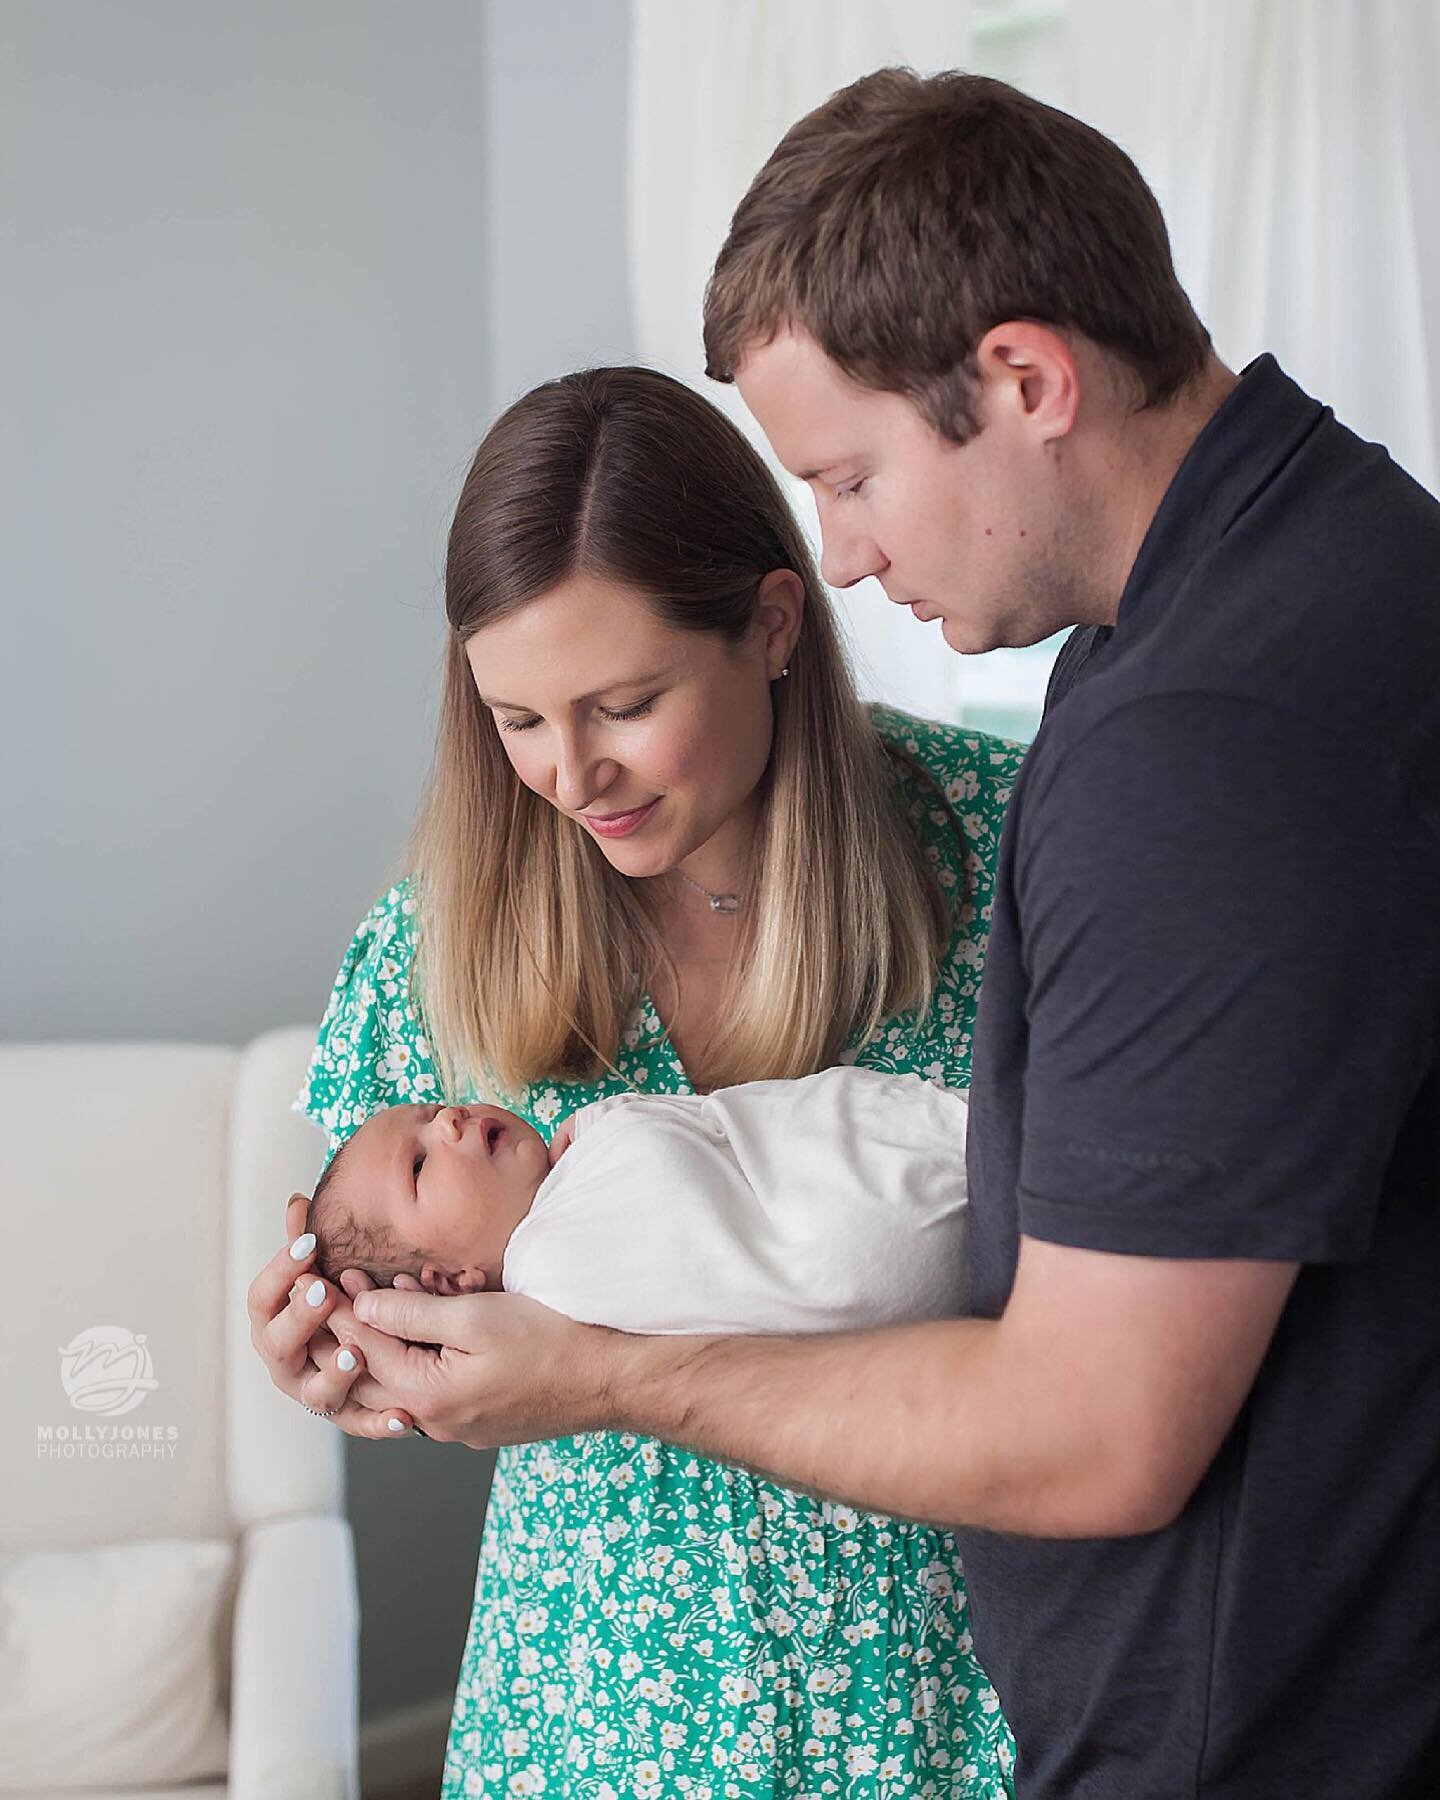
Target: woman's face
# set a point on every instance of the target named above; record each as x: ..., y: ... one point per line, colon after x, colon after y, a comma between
x: 653, y: 738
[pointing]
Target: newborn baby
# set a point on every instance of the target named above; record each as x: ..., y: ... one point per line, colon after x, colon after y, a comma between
x: 824, y: 1204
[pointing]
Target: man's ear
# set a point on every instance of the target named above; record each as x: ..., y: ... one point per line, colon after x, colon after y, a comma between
x: 1031, y: 371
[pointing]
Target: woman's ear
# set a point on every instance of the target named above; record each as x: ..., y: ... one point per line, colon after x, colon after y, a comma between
x: 779, y: 613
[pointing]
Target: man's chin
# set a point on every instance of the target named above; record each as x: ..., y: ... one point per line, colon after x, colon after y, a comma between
x: 966, y: 638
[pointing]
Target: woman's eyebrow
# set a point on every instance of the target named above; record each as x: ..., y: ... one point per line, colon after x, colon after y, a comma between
x: 621, y: 682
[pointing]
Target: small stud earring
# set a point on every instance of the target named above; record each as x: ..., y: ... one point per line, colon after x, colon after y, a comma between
x: 785, y: 670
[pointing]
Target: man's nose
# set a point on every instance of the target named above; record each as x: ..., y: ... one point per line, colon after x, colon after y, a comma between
x: 848, y: 557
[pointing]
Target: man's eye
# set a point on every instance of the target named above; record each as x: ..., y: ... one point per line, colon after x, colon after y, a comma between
x: 415, y: 1171
x: 638, y: 711
x: 854, y: 488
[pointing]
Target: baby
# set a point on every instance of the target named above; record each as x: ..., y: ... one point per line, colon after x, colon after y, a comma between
x: 824, y: 1204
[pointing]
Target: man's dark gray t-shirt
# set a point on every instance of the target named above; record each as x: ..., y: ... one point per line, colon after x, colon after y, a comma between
x: 1208, y: 1028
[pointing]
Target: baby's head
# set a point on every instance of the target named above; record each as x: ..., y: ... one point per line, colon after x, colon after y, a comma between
x: 429, y: 1191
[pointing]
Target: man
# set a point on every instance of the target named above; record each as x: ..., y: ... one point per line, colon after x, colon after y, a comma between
x: 1191, y: 1438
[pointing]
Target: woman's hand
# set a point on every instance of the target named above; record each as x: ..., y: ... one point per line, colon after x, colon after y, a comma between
x: 305, y: 1331
x: 489, y: 1369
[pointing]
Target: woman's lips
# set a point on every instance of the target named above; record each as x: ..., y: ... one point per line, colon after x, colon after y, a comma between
x: 619, y: 824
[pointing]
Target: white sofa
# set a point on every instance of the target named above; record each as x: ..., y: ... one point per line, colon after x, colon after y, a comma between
x: 141, y: 1186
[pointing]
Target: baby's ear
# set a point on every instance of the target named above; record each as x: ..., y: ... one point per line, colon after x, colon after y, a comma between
x: 441, y: 1281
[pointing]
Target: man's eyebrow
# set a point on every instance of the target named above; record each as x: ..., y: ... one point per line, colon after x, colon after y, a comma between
x: 627, y: 681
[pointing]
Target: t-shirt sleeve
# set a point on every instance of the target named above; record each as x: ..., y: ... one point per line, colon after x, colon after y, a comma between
x: 1229, y: 957
x: 371, y: 1050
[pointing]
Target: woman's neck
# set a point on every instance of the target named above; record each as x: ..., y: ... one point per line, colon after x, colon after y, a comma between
x: 721, y: 865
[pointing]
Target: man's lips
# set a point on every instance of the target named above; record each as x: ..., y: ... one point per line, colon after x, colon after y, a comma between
x: 619, y: 824
x: 922, y: 609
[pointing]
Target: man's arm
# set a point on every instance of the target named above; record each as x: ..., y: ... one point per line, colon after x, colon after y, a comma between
x: 1091, y: 1409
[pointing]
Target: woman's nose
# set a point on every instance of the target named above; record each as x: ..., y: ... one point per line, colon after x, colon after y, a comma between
x: 579, y: 779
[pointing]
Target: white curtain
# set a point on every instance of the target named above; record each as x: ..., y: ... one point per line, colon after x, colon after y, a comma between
x: 714, y: 86
x: 1294, y: 146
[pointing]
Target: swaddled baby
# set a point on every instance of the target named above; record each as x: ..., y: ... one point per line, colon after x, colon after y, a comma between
x: 824, y: 1204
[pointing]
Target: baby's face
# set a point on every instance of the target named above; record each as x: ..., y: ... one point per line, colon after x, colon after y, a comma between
x: 454, y: 1181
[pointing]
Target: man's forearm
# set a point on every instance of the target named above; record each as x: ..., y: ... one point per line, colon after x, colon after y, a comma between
x: 922, y: 1421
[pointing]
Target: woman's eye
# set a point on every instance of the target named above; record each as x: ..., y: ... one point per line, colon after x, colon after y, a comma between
x: 638, y: 711
x: 517, y: 724
x: 415, y: 1170
x: 854, y: 488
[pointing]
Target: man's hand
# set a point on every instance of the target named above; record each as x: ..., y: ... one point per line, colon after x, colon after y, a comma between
x: 487, y: 1369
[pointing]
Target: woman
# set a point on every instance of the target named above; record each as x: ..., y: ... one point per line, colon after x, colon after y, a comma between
x: 665, y: 847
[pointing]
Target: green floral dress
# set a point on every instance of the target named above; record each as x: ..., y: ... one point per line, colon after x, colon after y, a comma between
x: 648, y: 1622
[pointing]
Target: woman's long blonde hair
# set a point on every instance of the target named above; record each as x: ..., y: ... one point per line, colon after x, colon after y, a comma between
x: 532, y: 950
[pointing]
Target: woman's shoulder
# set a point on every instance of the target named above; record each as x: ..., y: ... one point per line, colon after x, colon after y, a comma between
x: 371, y: 1049
x: 966, y: 764
x: 387, y: 927
x: 949, y: 776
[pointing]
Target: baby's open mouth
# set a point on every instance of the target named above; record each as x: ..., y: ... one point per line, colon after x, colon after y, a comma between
x: 493, y: 1134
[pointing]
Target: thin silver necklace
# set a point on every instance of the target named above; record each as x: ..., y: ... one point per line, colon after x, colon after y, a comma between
x: 720, y: 903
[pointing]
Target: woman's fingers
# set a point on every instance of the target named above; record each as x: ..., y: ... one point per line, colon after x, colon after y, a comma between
x: 297, y: 1210
x: 360, y: 1422
x: 338, y: 1387
x: 356, y: 1281
x: 269, y: 1291
x: 287, y: 1339
x: 328, y: 1388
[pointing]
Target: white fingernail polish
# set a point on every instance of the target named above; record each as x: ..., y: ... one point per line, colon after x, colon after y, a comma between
x: 302, y: 1246
x: 346, y: 1360
x: 315, y: 1293
x: 396, y: 1424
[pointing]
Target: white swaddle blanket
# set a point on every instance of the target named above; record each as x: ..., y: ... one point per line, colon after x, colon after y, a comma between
x: 823, y: 1204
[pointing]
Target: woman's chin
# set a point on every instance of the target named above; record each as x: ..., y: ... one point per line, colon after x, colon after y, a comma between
x: 636, y: 860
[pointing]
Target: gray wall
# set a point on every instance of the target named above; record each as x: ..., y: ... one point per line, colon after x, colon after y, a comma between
x: 268, y: 270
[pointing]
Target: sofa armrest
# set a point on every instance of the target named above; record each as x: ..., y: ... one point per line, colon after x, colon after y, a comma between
x: 294, y: 1678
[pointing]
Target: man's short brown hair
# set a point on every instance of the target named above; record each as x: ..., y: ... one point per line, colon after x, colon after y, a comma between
x: 907, y: 215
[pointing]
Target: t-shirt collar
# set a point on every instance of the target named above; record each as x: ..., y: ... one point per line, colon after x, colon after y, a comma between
x: 1253, y: 432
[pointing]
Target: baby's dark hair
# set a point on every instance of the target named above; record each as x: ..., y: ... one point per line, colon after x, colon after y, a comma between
x: 343, y: 1242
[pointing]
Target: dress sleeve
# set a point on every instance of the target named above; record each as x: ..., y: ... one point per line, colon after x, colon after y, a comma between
x: 372, y: 1050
